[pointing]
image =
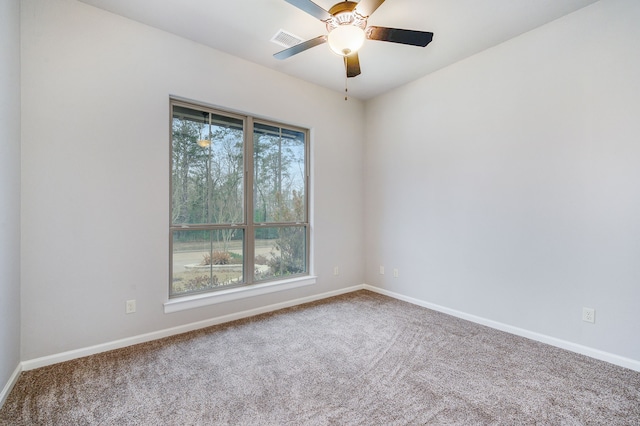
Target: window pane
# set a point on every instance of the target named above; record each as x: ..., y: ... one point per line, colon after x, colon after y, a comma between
x: 278, y: 175
x: 207, y: 172
x: 204, y: 260
x: 280, y: 251
x: 210, y: 229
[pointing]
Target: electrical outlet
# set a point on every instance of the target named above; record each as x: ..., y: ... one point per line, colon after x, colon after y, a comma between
x: 395, y: 273
x: 131, y: 306
x: 381, y: 270
x: 589, y: 315
x: 336, y: 270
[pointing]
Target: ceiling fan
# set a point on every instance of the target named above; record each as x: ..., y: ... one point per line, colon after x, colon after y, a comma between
x: 347, y: 30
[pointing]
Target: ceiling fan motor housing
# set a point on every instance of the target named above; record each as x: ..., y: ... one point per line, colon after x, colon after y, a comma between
x: 344, y: 13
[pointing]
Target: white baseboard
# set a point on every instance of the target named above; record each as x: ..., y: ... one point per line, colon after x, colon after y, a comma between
x: 12, y: 381
x: 563, y: 344
x: 134, y: 340
x: 117, y: 344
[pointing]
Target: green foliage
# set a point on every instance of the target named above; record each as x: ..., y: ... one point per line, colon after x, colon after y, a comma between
x: 235, y: 258
x: 289, y: 254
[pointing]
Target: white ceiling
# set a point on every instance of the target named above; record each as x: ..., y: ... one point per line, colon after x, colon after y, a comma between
x: 244, y: 28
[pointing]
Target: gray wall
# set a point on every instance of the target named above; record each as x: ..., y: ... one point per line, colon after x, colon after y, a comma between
x: 95, y: 153
x: 9, y: 189
x: 507, y: 186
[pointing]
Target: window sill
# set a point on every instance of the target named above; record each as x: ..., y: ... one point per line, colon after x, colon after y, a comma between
x: 200, y: 300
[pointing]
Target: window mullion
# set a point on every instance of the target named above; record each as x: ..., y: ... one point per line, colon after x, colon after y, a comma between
x: 249, y: 236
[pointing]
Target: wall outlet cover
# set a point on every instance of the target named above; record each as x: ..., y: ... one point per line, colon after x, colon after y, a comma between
x: 589, y: 315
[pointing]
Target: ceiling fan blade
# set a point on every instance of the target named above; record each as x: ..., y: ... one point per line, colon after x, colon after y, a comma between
x: 311, y: 8
x: 397, y: 35
x: 287, y: 53
x: 366, y: 7
x: 352, y: 63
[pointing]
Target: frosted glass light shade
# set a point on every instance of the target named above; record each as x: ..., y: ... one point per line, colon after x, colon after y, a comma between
x: 346, y: 39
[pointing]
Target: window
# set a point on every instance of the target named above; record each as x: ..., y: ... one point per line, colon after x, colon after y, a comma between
x: 239, y: 200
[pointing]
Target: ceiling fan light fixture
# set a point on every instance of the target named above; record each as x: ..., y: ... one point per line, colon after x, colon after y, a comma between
x: 346, y: 39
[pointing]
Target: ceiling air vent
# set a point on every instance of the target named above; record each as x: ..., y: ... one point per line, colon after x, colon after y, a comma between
x: 286, y: 39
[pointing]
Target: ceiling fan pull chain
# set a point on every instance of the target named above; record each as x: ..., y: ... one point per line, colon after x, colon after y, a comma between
x: 346, y: 80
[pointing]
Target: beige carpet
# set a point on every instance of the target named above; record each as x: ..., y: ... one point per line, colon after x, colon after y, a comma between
x: 357, y: 359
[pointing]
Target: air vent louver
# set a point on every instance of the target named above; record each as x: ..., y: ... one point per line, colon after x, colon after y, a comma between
x: 286, y: 39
